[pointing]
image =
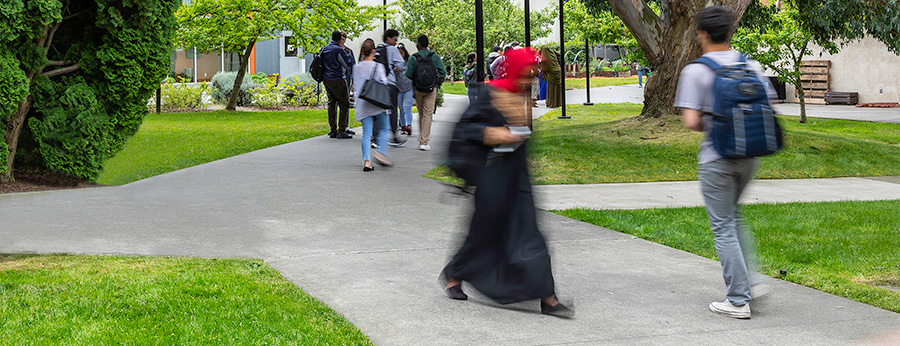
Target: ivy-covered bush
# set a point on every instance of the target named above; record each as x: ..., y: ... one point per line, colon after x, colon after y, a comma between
x: 223, y: 82
x: 100, y: 62
x: 181, y: 95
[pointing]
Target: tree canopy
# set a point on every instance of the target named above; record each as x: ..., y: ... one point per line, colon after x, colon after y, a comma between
x: 848, y: 20
x: 237, y: 25
x: 76, y: 78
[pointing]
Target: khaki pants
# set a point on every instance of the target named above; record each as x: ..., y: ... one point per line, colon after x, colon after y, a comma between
x: 425, y: 105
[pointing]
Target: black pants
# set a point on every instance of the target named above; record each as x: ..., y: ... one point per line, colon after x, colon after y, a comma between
x: 338, y: 95
x: 394, y: 118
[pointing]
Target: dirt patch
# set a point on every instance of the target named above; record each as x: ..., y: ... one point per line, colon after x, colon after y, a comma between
x: 33, y: 180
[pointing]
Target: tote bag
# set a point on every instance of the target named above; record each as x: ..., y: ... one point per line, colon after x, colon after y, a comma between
x: 375, y: 92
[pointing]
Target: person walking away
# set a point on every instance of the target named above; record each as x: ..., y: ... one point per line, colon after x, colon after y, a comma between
x: 389, y: 56
x: 495, y: 53
x: 427, y: 71
x: 336, y: 87
x: 553, y: 75
x: 703, y: 90
x: 498, y: 67
x: 470, y: 76
x: 372, y: 117
x: 405, y: 98
x: 504, y: 255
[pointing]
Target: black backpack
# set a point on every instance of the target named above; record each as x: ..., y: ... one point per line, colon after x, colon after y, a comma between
x: 317, y: 69
x: 425, y: 77
x: 382, y: 59
x: 470, y: 77
x: 490, y: 74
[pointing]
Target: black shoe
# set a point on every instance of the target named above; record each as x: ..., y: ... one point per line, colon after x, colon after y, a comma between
x: 558, y: 310
x: 349, y: 132
x: 343, y: 135
x: 332, y: 134
x: 456, y: 292
x: 368, y: 169
x: 397, y: 141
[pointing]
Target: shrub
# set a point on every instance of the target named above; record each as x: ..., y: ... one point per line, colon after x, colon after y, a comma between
x: 223, y: 82
x: 267, y: 94
x: 300, y: 90
x: 180, y: 95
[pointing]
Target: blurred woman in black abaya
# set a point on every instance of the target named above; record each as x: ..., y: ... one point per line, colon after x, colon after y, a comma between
x: 504, y: 256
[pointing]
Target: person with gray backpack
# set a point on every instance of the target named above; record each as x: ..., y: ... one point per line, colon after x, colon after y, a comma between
x: 725, y: 96
x: 427, y: 71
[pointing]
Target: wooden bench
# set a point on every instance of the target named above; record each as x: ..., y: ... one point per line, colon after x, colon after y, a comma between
x: 846, y: 98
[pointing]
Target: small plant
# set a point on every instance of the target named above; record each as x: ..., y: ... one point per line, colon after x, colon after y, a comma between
x: 181, y: 95
x: 300, y: 90
x: 223, y: 82
x: 267, y: 94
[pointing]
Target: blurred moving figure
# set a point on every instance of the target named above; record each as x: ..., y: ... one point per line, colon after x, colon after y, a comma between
x: 504, y: 255
x: 553, y: 74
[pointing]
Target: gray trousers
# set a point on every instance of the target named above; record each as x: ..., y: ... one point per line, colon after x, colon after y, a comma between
x: 722, y: 182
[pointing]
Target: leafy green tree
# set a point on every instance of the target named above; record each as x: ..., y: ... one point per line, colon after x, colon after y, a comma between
x: 849, y: 20
x: 78, y: 73
x: 600, y: 26
x: 450, y: 24
x: 236, y: 25
x: 776, y: 40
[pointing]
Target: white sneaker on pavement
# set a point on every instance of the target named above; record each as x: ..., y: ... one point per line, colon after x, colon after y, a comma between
x: 727, y: 309
x: 424, y: 147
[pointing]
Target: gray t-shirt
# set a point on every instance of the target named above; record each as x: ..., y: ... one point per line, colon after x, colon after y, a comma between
x: 695, y: 92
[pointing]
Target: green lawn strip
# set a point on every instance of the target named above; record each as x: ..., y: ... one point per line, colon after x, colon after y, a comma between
x: 457, y: 88
x: 99, y: 300
x: 605, y: 143
x: 596, y: 82
x: 169, y: 142
x: 851, y: 249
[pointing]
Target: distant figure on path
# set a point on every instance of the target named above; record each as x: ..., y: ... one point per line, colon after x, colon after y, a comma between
x: 390, y: 57
x: 470, y: 76
x: 335, y: 57
x: 553, y: 74
x: 504, y: 255
x: 722, y: 180
x: 496, y: 51
x: 427, y: 71
x: 405, y: 98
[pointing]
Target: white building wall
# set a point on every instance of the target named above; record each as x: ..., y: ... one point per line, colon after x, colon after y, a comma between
x: 866, y: 67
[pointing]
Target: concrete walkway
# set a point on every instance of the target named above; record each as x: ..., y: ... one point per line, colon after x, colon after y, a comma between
x: 371, y: 245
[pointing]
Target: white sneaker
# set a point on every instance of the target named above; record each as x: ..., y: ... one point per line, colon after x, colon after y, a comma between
x: 727, y: 309
x: 424, y: 147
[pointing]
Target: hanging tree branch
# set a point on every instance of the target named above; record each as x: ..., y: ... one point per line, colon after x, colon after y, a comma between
x: 63, y: 70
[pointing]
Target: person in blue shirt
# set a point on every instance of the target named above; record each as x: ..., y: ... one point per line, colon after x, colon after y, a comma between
x: 335, y: 58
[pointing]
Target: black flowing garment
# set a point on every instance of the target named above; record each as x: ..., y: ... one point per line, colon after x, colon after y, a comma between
x: 504, y: 255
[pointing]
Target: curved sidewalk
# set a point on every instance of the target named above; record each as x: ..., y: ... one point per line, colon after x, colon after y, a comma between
x: 371, y: 245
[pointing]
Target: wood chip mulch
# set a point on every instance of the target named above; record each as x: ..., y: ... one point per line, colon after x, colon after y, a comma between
x: 30, y: 181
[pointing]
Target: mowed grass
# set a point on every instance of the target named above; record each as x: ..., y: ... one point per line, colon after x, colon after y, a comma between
x: 851, y: 249
x: 606, y: 143
x: 171, y: 141
x: 459, y: 88
x: 97, y: 300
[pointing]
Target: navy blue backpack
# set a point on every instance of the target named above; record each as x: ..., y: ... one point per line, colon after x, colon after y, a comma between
x: 744, y: 124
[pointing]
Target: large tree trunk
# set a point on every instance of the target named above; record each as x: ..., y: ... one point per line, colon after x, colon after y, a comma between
x: 669, y: 42
x: 239, y: 79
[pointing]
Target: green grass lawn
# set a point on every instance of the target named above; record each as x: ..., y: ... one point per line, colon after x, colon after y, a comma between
x: 97, y: 300
x: 605, y: 143
x: 171, y: 141
x: 851, y: 249
x: 459, y: 88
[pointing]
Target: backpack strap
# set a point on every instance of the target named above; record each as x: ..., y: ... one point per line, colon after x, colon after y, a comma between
x: 708, y: 62
x: 742, y: 58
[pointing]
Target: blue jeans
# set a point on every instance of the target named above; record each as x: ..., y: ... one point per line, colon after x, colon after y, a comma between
x: 380, y: 121
x: 406, y: 100
x: 472, y: 93
x: 640, y: 77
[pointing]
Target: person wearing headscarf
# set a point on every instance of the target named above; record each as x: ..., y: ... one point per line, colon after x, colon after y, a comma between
x: 553, y: 75
x: 504, y: 255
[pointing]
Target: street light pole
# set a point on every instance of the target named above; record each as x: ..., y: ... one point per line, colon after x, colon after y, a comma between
x: 479, y: 40
x: 527, y: 24
x: 587, y: 74
x: 385, y: 16
x: 562, y: 63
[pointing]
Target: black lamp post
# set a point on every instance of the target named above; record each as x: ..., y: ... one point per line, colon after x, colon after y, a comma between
x: 527, y: 24
x: 587, y: 74
x: 385, y: 16
x: 562, y: 56
x: 479, y: 40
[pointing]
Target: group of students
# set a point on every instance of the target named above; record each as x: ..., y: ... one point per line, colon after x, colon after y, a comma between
x: 409, y: 77
x: 546, y: 82
x: 504, y: 255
